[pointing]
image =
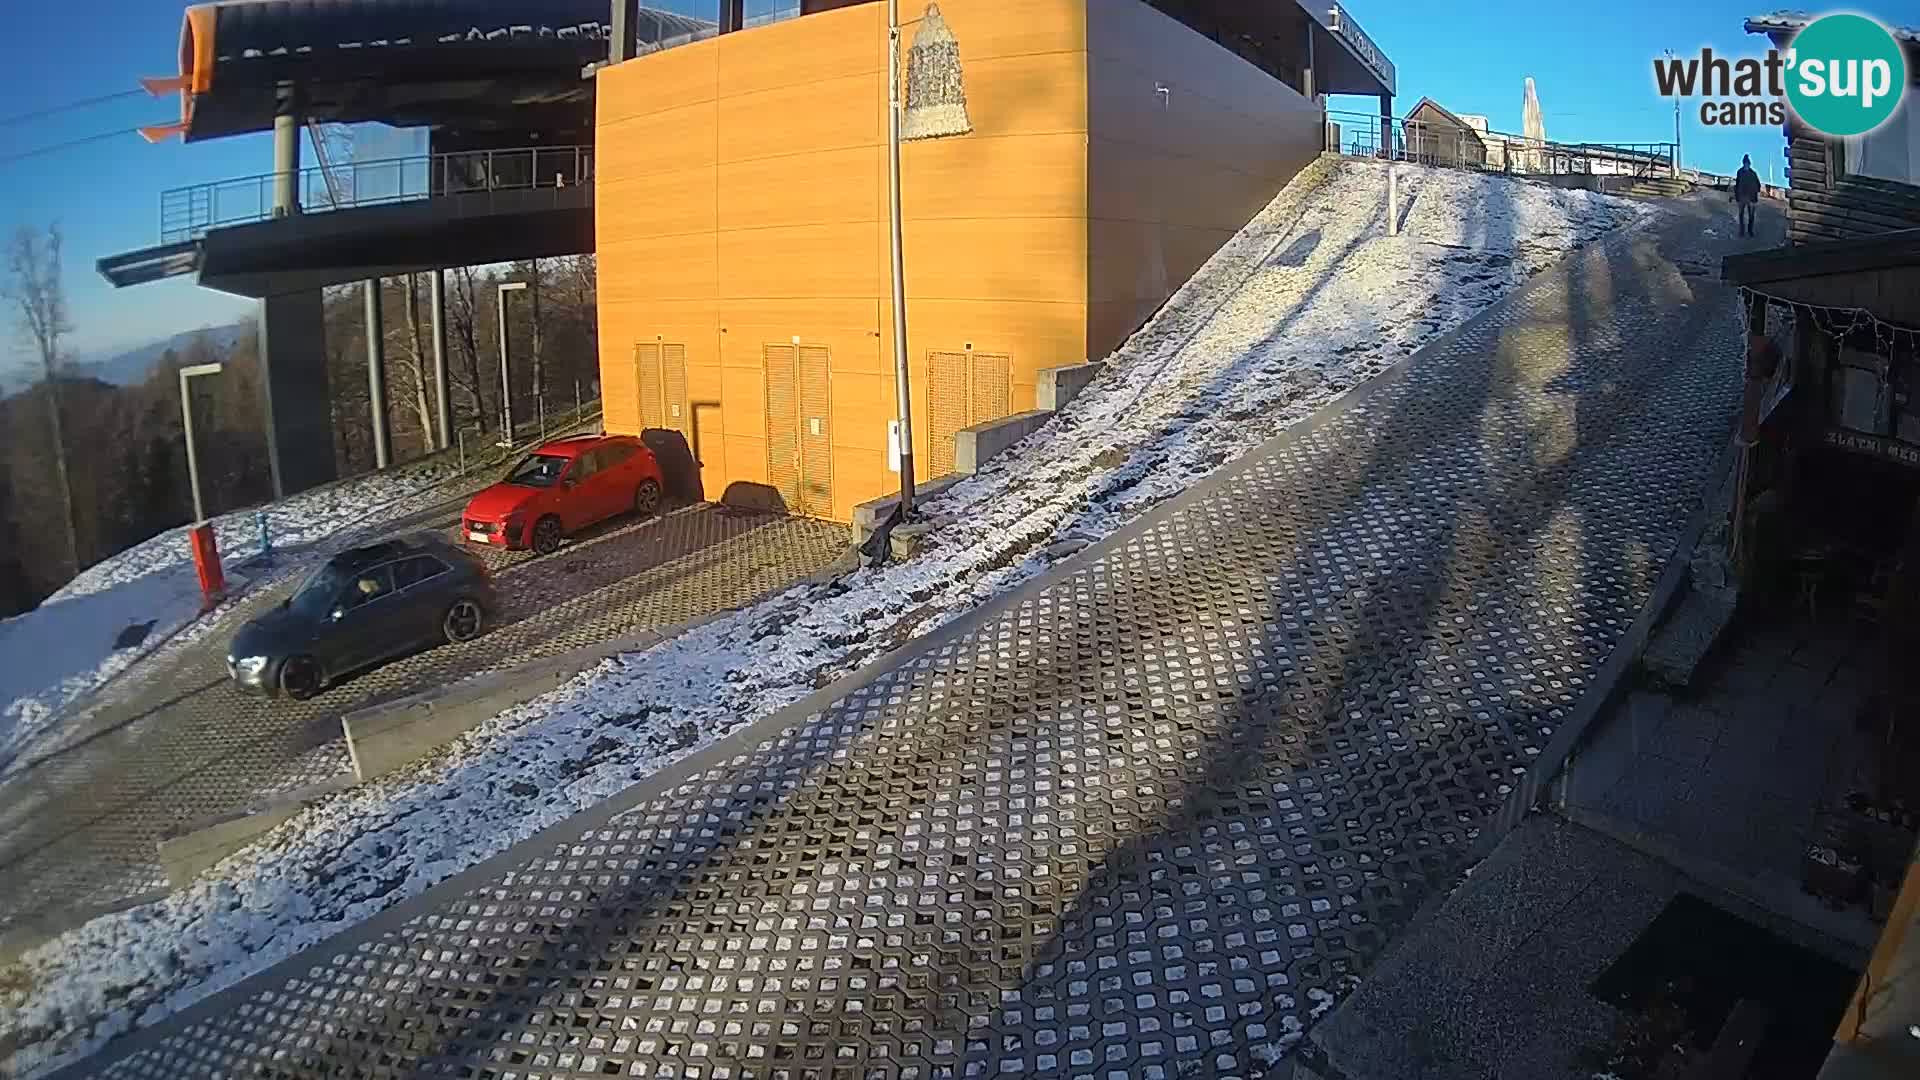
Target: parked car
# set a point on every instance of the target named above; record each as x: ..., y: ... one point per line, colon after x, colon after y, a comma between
x: 561, y: 488
x: 363, y: 607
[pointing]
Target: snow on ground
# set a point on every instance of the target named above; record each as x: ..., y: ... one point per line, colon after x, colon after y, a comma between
x: 52, y: 655
x: 306, y: 518
x: 63, y: 649
x: 1307, y: 302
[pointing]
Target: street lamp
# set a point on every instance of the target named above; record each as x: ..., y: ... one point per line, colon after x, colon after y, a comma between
x: 1676, y: 127
x: 506, y: 390
x: 936, y: 106
x: 186, y: 421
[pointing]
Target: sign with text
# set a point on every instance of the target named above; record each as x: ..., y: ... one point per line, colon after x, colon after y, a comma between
x: 1873, y: 446
x: 1376, y: 61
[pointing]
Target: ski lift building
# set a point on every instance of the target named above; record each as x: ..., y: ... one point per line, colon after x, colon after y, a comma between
x: 745, y: 296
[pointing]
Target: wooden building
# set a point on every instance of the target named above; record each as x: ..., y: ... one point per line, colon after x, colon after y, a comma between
x: 1840, y: 188
x: 1828, y: 489
x: 741, y: 202
x: 1438, y: 137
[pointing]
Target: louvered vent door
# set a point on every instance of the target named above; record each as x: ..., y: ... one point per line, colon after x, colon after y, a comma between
x: 949, y: 398
x: 783, y: 423
x: 816, y: 431
x: 673, y: 388
x: 963, y: 389
x: 646, y: 376
x: 992, y: 387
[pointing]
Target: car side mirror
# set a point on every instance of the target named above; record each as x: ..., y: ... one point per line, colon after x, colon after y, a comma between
x: 567, y: 483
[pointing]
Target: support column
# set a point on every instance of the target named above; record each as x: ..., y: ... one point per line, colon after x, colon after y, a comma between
x: 286, y: 154
x: 1307, y: 81
x: 297, y: 402
x: 1386, y: 126
x: 443, y: 401
x: 620, y: 37
x: 377, y: 376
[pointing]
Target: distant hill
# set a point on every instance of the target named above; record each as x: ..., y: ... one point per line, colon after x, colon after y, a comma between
x: 133, y: 365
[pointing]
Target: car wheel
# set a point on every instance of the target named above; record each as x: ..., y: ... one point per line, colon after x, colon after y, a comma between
x: 646, y: 497
x: 300, y: 677
x: 464, y: 620
x: 546, y: 535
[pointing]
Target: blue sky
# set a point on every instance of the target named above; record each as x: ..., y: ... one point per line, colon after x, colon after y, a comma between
x: 1592, y: 66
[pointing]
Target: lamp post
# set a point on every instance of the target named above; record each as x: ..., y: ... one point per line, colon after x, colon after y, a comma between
x: 506, y: 389
x: 905, y: 402
x: 935, y: 107
x: 186, y: 422
x: 1676, y: 128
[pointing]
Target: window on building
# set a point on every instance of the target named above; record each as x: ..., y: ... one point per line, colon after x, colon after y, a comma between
x: 1890, y: 151
x: 760, y: 12
x: 1859, y: 397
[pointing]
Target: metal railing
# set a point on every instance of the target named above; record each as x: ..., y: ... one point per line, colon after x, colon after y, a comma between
x: 1365, y: 135
x: 188, y: 212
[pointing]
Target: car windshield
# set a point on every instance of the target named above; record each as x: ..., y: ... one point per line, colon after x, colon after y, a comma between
x: 316, y: 597
x: 538, y: 470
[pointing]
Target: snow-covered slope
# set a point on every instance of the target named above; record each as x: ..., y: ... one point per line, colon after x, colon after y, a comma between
x: 1309, y: 300
x: 294, y: 521
x: 65, y: 648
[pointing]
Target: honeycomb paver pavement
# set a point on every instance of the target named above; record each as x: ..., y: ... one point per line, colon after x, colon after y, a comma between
x: 81, y: 827
x: 1132, y: 819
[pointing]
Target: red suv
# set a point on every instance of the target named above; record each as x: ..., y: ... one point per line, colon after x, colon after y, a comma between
x: 563, y: 487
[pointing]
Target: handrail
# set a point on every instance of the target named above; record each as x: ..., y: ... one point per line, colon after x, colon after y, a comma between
x: 187, y: 213
x: 1367, y: 135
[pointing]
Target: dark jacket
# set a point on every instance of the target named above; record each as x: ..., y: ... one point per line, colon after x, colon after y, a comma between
x: 1746, y: 185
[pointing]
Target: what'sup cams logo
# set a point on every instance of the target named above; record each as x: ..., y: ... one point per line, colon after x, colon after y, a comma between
x: 1841, y: 75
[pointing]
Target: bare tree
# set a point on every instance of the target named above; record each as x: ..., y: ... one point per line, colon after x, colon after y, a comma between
x: 463, y: 312
x: 539, y: 366
x: 415, y: 363
x: 32, y: 283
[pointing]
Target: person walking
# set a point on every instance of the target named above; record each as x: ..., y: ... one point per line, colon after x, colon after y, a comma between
x: 1746, y: 194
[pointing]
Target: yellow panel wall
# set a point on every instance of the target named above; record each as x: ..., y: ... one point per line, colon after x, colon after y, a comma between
x: 742, y: 201
x: 1174, y: 175
x: 994, y: 223
x: 655, y: 155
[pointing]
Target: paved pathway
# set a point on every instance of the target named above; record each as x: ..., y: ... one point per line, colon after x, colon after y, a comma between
x: 79, y: 829
x: 1136, y: 818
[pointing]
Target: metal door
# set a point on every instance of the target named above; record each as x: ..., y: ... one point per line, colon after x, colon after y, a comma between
x: 816, y: 431
x: 783, y: 422
x: 948, y: 407
x: 992, y: 396
x: 673, y: 388
x: 963, y: 389
x: 646, y: 377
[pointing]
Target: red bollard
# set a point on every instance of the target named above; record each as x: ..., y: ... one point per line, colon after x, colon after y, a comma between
x: 206, y: 563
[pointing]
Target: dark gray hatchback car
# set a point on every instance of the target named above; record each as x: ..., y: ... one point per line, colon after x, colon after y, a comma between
x: 361, y: 608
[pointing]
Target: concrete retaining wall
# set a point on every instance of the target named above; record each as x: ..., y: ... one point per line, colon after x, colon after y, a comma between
x: 868, y: 515
x: 974, y: 446
x: 1055, y: 386
x: 199, y: 846
x: 386, y: 737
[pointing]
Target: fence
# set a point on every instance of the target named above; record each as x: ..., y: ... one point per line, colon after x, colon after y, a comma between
x: 1452, y: 146
x: 188, y: 212
x: 475, y: 448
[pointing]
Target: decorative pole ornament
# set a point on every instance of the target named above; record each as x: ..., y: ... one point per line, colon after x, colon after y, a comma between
x: 935, y: 106
x: 936, y: 99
